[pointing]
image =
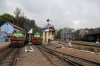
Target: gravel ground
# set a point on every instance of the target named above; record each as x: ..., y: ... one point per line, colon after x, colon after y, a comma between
x: 32, y: 58
x: 4, y: 44
x: 36, y: 58
x: 87, y: 55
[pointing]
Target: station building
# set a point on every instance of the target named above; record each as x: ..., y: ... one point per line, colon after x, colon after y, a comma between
x: 8, y: 28
x: 3, y: 36
x: 66, y: 34
x: 92, y: 36
x: 48, y: 34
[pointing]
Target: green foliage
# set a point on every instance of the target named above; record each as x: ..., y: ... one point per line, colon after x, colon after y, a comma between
x: 17, y: 13
x: 92, y: 49
x: 76, y: 34
x: 15, y: 31
x: 6, y: 17
x: 58, y: 35
x: 20, y: 20
x: 31, y: 24
x: 64, y: 44
x: 77, y: 47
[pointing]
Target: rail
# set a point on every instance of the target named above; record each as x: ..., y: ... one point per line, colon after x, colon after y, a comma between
x: 66, y: 57
x: 61, y: 57
x: 11, y: 55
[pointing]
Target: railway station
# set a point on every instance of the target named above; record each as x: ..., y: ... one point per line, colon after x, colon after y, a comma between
x: 49, y: 33
x: 37, y: 45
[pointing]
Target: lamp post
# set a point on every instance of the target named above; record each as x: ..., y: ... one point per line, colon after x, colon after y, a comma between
x: 48, y: 23
x: 48, y: 29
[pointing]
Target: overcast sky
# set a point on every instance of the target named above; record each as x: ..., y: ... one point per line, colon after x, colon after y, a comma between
x: 62, y: 13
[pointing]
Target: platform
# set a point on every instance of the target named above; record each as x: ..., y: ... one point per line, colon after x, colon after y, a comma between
x: 4, y: 44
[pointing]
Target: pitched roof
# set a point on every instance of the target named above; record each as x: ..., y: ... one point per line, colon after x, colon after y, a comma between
x: 93, y: 32
x: 50, y: 29
x: 1, y: 32
x: 17, y: 27
x: 9, y: 34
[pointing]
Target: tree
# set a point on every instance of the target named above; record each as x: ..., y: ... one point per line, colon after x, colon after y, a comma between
x: 98, y: 28
x: 20, y: 18
x: 31, y: 24
x: 6, y: 17
x: 76, y: 34
x: 21, y: 22
x: 17, y: 13
x: 58, y: 35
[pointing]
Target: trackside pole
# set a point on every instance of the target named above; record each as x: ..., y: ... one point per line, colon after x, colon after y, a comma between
x: 30, y: 39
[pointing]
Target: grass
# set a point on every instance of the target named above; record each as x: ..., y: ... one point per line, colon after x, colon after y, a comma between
x: 77, y: 47
x: 92, y: 49
x: 64, y: 44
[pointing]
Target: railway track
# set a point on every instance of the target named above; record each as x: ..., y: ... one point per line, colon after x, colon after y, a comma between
x: 76, y: 61
x: 57, y: 59
x: 9, y: 58
x: 86, y: 45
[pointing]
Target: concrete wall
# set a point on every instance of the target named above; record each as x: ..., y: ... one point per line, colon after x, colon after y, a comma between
x: 8, y: 28
x: 3, y: 37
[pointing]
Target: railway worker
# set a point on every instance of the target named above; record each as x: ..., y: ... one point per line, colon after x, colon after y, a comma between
x: 69, y: 44
x: 97, y: 41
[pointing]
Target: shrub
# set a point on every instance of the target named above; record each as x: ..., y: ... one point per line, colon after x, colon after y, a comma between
x: 75, y: 47
x: 92, y: 49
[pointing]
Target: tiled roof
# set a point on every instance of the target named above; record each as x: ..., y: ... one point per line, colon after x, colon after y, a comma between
x: 51, y: 29
x: 1, y: 32
x: 9, y: 34
x: 17, y: 27
x: 93, y: 32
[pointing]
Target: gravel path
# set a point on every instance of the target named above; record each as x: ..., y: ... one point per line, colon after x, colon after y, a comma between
x: 32, y: 58
x: 87, y: 55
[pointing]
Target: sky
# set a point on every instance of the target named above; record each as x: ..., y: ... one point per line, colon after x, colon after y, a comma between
x: 77, y: 14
